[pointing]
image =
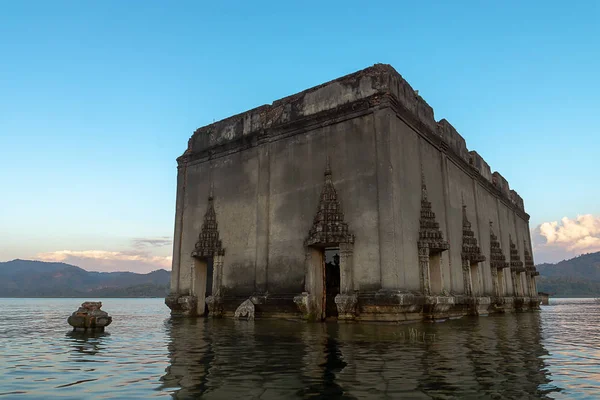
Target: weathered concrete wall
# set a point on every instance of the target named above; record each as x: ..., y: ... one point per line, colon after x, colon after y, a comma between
x: 431, y: 161
x: 178, y: 229
x: 235, y: 182
x: 406, y: 182
x: 266, y: 167
x: 296, y: 181
x: 523, y: 240
x: 195, y: 201
x: 488, y: 212
x: 234, y: 178
x: 459, y: 192
x: 267, y: 253
x: 506, y: 230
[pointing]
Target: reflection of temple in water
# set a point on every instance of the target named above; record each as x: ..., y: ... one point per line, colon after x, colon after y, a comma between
x: 190, y: 356
x: 495, y: 357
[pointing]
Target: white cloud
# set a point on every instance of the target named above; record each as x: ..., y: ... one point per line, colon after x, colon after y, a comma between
x: 568, y: 237
x: 580, y: 233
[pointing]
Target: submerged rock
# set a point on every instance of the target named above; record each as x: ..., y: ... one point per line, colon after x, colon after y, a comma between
x: 89, y: 317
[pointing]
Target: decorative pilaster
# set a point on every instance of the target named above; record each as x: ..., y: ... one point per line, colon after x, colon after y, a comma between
x: 308, y: 305
x: 497, y: 262
x: 530, y: 271
x: 467, y: 279
x: 495, y: 283
x: 431, y: 239
x: 215, y: 301
x: 346, y: 273
x: 218, y: 262
x: 533, y: 282
x: 424, y: 270
x: 193, y: 285
x: 471, y: 253
x: 516, y: 267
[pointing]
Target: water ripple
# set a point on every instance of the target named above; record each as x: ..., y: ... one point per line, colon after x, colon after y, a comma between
x: 551, y: 354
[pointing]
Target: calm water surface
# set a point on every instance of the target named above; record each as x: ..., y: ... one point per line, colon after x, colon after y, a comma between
x: 551, y: 354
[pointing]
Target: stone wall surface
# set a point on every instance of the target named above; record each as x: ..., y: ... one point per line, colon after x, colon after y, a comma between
x: 297, y: 168
x: 265, y: 170
x: 406, y: 181
x: 487, y: 208
x: 507, y: 230
x: 438, y: 186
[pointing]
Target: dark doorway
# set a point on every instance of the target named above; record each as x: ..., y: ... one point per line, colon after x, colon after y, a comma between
x: 209, y: 282
x: 332, y: 281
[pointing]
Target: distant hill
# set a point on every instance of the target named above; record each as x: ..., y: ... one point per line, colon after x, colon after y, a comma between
x: 577, y: 277
x: 26, y: 278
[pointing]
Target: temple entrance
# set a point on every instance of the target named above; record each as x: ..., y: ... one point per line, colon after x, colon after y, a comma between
x: 331, y: 276
x: 202, y: 282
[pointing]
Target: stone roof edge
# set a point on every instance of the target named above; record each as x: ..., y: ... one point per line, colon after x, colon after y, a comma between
x: 383, y: 80
x: 466, y: 165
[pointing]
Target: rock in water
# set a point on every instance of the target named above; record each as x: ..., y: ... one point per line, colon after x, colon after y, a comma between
x: 246, y: 309
x: 89, y: 317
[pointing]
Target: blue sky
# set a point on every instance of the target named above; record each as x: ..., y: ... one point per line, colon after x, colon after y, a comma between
x: 98, y: 99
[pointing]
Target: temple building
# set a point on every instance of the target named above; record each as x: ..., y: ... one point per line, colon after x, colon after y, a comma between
x: 346, y: 201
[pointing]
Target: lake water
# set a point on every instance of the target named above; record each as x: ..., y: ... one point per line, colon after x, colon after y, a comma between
x: 554, y: 353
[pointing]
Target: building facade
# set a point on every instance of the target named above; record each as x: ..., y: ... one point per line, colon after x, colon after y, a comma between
x: 348, y: 201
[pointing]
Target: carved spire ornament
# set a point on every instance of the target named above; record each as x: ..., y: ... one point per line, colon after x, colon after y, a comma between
x: 516, y: 264
x: 497, y: 259
x: 328, y: 226
x: 470, y: 250
x: 209, y: 244
x: 430, y: 235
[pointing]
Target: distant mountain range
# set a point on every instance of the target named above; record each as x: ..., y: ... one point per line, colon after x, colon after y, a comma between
x: 25, y: 278
x: 577, y: 277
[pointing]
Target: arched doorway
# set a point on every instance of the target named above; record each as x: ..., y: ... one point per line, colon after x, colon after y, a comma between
x: 207, y: 268
x: 329, y: 253
x: 202, y: 282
